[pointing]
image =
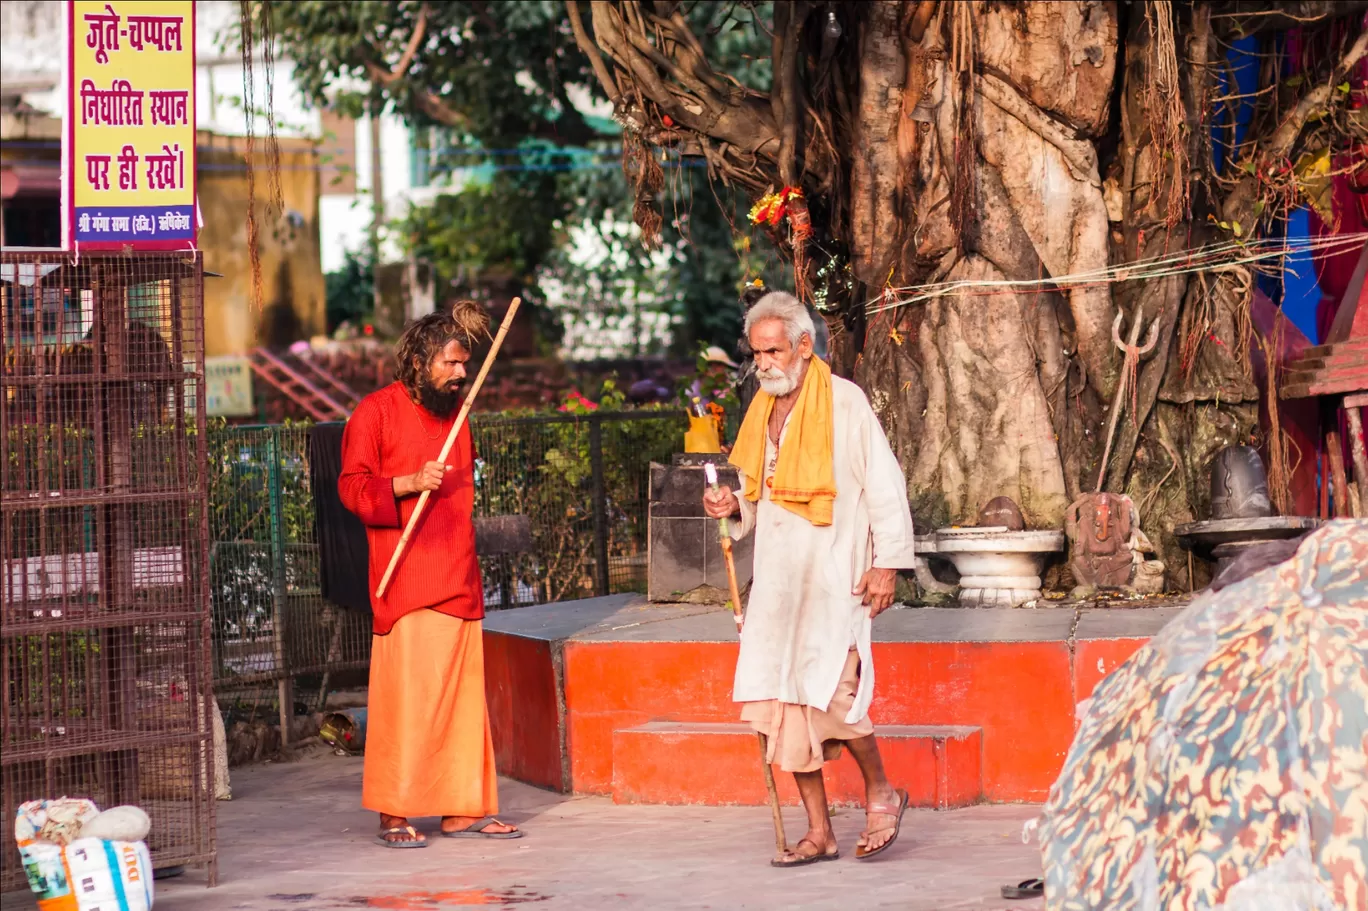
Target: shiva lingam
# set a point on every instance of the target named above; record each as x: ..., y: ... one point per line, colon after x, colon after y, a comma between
x: 999, y: 562
x: 1107, y: 549
x: 1241, y: 511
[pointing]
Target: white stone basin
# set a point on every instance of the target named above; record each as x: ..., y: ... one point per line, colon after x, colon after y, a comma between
x: 997, y: 567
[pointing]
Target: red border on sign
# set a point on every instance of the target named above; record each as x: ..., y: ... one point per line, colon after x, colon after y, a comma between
x: 69, y: 153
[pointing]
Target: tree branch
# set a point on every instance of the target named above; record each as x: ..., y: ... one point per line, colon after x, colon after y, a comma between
x: 1239, y: 206
x: 591, y: 50
x: 1079, y: 154
x: 743, y: 122
x: 387, y: 77
x: 787, y: 94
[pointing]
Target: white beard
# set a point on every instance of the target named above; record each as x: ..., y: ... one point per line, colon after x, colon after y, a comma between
x: 780, y: 383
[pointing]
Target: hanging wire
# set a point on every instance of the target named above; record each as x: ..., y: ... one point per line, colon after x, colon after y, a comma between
x: 1213, y: 257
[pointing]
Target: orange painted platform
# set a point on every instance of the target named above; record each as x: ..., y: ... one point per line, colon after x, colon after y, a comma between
x: 618, y: 696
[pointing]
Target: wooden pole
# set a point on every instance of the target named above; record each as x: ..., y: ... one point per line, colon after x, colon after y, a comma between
x: 1360, y: 453
x: 734, y: 591
x: 1340, y: 484
x: 450, y: 442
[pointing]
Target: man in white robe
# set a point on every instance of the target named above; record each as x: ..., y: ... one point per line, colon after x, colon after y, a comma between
x: 822, y: 571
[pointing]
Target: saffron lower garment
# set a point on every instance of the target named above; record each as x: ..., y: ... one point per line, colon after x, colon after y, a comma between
x: 428, y: 747
x: 802, y: 738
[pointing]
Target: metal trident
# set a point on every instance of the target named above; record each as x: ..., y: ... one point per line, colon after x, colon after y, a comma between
x: 1128, y: 373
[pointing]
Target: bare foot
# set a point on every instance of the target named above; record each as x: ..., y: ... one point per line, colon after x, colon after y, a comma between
x: 461, y: 823
x: 879, y: 827
x: 820, y: 845
x: 405, y: 834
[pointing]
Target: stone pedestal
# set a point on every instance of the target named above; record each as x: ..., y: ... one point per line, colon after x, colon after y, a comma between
x: 685, y: 560
x: 997, y: 567
x: 1223, y: 540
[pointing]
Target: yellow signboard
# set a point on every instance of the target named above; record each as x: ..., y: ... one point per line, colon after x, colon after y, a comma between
x: 130, y: 125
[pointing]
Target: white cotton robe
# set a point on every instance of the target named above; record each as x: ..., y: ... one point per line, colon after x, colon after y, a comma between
x: 803, y: 616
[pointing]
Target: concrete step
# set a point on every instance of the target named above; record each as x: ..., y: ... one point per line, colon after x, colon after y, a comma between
x: 715, y: 764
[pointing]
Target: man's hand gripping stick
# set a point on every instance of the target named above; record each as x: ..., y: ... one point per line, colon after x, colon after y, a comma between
x: 725, y: 539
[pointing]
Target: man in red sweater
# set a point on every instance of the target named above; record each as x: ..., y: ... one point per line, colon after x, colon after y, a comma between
x: 428, y: 746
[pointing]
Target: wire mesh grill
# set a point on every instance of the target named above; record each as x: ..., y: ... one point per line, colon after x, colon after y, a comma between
x: 104, y: 616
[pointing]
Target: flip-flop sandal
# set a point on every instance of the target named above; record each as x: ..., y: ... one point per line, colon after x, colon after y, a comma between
x: 804, y: 861
x: 410, y: 831
x: 477, y: 830
x: 1031, y: 888
x: 897, y: 814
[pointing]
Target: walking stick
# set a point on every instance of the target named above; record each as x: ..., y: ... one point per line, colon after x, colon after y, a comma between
x: 734, y: 590
x: 450, y: 441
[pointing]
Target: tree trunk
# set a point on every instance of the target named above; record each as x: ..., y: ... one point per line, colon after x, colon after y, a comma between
x: 996, y: 392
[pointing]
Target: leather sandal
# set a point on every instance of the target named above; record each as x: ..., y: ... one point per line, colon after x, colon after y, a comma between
x: 801, y: 860
x: 861, y: 853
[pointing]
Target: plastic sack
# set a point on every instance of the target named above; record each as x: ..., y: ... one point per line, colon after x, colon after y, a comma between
x: 80, y: 874
x: 702, y: 435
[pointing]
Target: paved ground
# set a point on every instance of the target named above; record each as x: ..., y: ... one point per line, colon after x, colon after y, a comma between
x: 293, y: 839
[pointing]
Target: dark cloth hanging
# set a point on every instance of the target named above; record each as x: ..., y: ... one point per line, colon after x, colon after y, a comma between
x: 344, y: 555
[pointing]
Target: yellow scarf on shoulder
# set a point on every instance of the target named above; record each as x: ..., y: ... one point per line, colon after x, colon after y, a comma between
x: 804, y: 480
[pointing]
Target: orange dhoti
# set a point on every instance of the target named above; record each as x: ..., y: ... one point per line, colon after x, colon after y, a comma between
x: 428, y: 747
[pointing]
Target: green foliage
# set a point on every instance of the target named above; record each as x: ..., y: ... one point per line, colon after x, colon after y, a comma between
x: 350, y: 291
x: 498, y: 72
x: 503, y: 227
x: 499, y: 68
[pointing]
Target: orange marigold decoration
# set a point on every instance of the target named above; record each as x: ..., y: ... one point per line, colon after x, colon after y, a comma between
x: 771, y: 209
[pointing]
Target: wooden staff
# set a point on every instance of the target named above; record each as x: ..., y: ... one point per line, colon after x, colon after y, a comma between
x: 734, y: 590
x: 450, y: 441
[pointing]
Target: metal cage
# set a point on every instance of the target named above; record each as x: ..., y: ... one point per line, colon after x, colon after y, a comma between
x: 104, y: 529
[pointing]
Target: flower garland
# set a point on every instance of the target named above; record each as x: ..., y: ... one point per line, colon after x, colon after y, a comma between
x: 772, y: 207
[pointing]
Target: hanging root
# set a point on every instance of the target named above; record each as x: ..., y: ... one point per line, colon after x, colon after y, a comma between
x: 248, y: 113
x: 272, y: 140
x: 1279, y: 473
x: 642, y: 170
x: 1164, y: 105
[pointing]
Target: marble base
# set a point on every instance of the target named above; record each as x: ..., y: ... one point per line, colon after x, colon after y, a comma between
x: 998, y: 568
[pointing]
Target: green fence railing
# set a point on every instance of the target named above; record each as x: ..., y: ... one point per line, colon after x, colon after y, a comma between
x: 582, y: 480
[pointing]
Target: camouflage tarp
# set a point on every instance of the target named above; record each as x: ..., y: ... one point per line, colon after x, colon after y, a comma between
x: 1223, y: 766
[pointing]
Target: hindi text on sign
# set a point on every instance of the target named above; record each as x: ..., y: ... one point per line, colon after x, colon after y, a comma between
x: 169, y: 107
x: 104, y: 33
x: 120, y: 105
x: 160, y: 32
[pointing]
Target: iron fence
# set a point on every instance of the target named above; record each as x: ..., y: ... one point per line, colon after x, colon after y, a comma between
x: 104, y: 616
x: 582, y: 480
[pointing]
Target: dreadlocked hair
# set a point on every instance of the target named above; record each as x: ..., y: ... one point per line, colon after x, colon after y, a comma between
x: 465, y: 322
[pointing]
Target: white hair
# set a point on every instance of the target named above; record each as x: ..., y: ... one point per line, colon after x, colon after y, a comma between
x: 787, y: 309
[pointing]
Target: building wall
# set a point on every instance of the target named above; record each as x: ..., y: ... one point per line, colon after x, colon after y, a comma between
x: 293, y: 296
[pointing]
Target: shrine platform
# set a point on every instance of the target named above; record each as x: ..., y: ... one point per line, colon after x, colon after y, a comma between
x: 618, y: 696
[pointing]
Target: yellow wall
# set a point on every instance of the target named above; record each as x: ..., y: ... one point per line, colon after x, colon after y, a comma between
x: 292, y: 288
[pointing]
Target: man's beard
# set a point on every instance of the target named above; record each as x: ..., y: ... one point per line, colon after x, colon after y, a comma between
x: 780, y: 383
x: 441, y: 402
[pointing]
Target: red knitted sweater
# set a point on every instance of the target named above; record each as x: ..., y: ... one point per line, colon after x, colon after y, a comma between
x: 389, y: 436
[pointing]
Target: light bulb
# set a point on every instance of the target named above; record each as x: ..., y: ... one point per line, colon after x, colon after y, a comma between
x: 833, y: 28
